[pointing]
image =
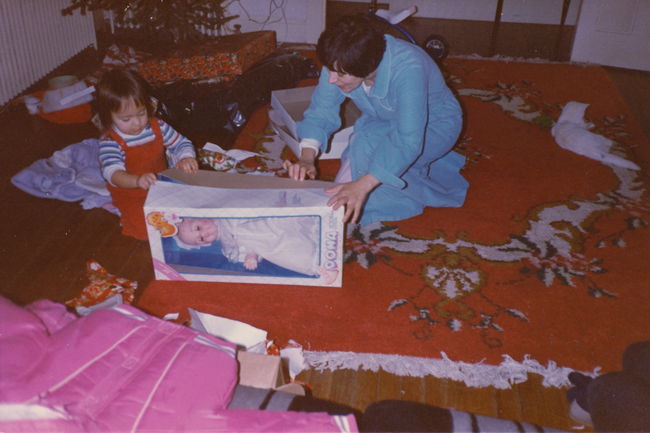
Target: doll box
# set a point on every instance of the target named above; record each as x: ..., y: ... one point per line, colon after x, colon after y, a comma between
x: 271, y: 230
x: 224, y: 58
x: 288, y: 107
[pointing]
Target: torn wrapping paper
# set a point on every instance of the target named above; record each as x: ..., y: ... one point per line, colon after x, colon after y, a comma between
x: 110, y: 302
x: 102, y: 286
x: 219, y: 159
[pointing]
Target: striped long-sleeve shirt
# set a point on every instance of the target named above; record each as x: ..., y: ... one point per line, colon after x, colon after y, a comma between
x: 112, y: 157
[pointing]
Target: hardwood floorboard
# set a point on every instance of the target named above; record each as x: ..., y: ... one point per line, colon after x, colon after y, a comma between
x: 437, y: 391
x: 389, y: 387
x: 367, y: 389
x: 481, y: 400
x: 344, y: 387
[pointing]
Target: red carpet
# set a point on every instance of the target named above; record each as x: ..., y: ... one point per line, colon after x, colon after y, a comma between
x: 546, y: 265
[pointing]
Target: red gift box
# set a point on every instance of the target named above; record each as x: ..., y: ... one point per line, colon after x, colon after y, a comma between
x: 225, y: 57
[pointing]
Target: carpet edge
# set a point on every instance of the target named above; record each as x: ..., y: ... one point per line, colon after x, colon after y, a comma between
x: 478, y: 375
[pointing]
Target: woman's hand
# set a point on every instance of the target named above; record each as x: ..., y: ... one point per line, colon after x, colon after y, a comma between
x: 352, y: 195
x: 305, y: 167
x: 188, y: 165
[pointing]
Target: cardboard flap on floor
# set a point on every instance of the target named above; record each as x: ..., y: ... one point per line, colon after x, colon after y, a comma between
x: 240, y: 333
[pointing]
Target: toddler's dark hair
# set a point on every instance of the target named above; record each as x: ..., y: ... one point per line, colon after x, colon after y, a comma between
x: 117, y: 86
x: 353, y: 45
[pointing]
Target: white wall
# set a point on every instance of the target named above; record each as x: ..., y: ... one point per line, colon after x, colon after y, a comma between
x: 293, y: 20
x: 614, y: 33
x: 519, y: 11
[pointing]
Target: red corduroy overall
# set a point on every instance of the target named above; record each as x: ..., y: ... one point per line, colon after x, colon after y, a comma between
x: 145, y: 158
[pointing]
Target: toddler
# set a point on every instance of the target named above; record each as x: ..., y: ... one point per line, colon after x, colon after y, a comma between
x: 289, y: 242
x: 135, y: 145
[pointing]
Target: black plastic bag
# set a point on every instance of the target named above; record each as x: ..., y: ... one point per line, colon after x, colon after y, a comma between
x: 205, y: 111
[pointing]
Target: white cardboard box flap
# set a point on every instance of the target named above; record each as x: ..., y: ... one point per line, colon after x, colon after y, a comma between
x: 215, y: 190
x: 288, y: 107
x: 216, y: 179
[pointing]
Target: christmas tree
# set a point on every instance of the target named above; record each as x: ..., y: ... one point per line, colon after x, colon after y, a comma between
x: 178, y: 21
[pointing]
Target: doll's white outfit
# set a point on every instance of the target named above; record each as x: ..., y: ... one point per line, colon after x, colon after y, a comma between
x: 289, y: 242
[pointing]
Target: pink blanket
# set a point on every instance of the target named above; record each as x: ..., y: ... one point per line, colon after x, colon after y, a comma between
x: 120, y: 369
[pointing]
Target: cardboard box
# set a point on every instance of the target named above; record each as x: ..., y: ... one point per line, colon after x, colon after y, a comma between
x: 225, y: 58
x: 288, y: 107
x: 266, y: 372
x: 285, y: 225
x: 261, y: 371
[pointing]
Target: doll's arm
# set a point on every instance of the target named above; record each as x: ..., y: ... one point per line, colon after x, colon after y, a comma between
x: 251, y: 261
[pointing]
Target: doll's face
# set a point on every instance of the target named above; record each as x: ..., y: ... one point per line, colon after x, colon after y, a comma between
x: 198, y: 231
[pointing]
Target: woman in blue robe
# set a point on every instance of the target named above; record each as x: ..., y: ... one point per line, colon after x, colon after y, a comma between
x: 399, y: 158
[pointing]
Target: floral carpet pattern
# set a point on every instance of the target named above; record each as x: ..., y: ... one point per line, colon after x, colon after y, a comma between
x: 546, y: 261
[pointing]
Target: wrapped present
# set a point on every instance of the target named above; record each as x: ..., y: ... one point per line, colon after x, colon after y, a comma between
x: 217, y: 160
x: 224, y: 58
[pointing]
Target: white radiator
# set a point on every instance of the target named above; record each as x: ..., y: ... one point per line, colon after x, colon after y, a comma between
x: 35, y: 38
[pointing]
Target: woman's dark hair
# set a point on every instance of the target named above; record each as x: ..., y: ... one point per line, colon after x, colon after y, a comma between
x: 353, y: 45
x: 117, y: 86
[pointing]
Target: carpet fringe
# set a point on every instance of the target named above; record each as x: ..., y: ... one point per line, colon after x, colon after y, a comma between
x: 506, y: 59
x: 477, y: 375
x: 473, y: 56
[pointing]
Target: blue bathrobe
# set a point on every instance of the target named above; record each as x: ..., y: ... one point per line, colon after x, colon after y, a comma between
x: 410, y: 121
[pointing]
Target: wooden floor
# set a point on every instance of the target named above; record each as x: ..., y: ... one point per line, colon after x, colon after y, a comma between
x: 45, y: 244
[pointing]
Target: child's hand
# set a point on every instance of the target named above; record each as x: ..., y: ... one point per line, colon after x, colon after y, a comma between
x: 304, y: 168
x: 250, y: 262
x: 188, y: 165
x: 145, y: 181
x: 300, y: 170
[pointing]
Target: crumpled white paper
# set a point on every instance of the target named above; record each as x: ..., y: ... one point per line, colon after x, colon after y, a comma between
x: 294, y: 358
x: 248, y: 337
x: 242, y: 334
x: 572, y: 133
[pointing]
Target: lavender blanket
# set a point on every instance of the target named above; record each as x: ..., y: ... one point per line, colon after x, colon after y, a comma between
x: 70, y: 174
